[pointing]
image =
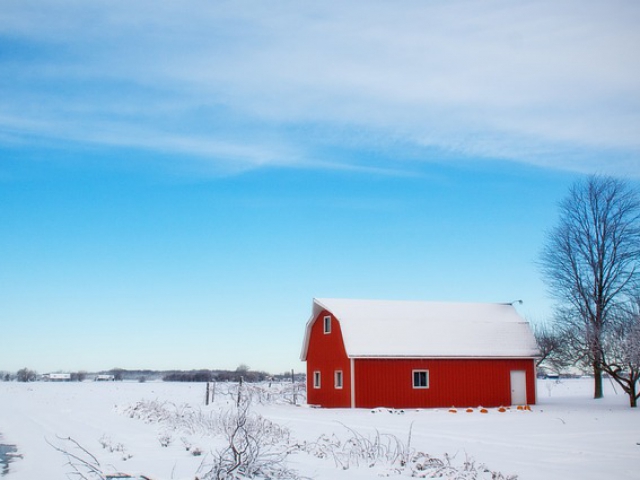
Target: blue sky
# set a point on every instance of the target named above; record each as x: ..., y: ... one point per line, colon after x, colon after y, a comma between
x: 179, y: 180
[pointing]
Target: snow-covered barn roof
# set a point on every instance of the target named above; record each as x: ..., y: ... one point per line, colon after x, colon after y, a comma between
x: 388, y: 328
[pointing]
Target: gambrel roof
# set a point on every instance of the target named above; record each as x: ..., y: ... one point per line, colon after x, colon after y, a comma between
x: 414, y: 329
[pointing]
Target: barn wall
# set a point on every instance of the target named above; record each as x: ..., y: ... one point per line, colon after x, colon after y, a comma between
x: 326, y: 354
x: 460, y: 383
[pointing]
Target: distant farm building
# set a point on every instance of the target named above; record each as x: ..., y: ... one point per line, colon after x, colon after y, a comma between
x: 56, y: 377
x: 104, y: 378
x: 397, y: 354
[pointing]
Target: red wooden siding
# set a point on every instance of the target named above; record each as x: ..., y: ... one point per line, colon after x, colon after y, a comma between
x: 455, y: 382
x: 326, y: 354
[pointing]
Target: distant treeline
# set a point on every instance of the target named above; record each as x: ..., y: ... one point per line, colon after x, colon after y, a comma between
x: 216, y: 376
x: 119, y: 374
x: 203, y: 375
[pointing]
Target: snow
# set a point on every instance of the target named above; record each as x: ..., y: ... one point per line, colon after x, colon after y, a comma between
x: 567, y: 435
x: 384, y: 328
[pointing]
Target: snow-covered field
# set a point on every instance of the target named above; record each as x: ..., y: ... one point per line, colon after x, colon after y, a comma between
x: 567, y: 435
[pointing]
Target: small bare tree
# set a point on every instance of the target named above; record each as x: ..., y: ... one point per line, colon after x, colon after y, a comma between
x: 621, y: 352
x: 255, y: 447
x: 591, y: 260
x: 552, y: 344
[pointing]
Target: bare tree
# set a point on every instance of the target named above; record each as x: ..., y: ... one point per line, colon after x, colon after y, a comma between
x: 621, y: 351
x: 78, y: 376
x: 591, y: 259
x: 26, y: 375
x: 552, y: 343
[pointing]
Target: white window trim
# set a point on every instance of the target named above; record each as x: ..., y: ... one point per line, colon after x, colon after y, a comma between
x: 413, y: 379
x: 317, y: 379
x: 327, y: 324
x: 338, y: 375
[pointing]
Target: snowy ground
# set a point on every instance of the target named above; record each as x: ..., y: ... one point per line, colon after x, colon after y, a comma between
x: 566, y: 436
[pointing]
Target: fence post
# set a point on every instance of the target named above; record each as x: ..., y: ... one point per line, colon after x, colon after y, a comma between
x: 295, y: 389
x: 239, y: 391
x: 206, y: 397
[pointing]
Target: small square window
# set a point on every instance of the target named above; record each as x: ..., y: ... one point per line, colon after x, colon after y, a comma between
x: 316, y: 379
x: 338, y: 379
x: 327, y: 324
x: 421, y: 379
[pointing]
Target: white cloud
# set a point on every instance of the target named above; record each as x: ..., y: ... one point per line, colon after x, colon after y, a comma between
x: 538, y: 82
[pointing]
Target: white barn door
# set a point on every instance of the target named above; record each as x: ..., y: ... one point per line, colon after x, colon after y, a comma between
x: 518, y: 387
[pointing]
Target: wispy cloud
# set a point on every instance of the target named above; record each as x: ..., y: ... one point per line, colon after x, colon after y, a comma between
x: 255, y: 83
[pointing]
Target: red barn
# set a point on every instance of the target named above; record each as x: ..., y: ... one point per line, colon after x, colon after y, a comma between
x: 396, y: 354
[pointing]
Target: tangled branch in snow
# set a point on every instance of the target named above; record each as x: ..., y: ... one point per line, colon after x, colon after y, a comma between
x: 83, y: 464
x: 272, y: 393
x: 182, y: 418
x: 423, y: 465
x: 255, y: 446
x: 358, y: 450
x: 396, y: 457
x: 114, y: 447
x: 185, y: 419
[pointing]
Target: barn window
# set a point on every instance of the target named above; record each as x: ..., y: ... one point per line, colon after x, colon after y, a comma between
x: 338, y: 379
x: 327, y: 324
x: 421, y: 379
x: 316, y: 379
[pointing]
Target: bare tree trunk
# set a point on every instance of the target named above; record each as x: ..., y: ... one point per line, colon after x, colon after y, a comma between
x: 633, y: 395
x: 597, y: 381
